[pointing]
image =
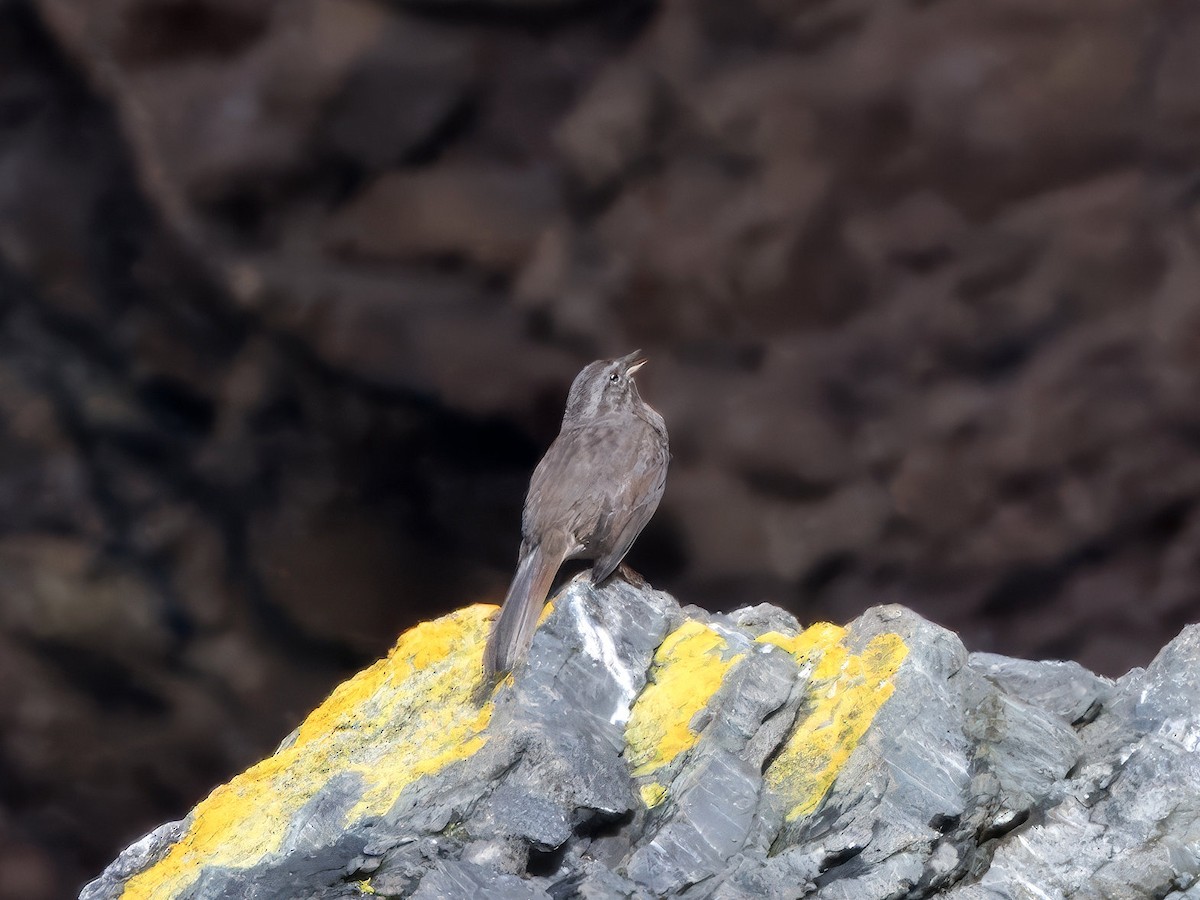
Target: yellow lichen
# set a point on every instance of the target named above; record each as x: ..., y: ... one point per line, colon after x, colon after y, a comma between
x: 652, y: 793
x: 406, y: 716
x: 688, y: 668
x: 809, y: 645
x: 845, y: 693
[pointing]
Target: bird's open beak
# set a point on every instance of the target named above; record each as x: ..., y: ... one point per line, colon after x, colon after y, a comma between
x: 633, y: 362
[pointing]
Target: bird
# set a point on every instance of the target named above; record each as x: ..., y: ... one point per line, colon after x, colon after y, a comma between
x: 589, y: 498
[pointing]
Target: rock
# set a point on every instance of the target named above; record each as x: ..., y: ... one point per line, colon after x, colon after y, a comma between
x: 1175, y: 128
x: 489, y: 216
x: 211, y: 111
x: 919, y: 232
x: 651, y: 751
x: 611, y: 128
x: 399, y: 94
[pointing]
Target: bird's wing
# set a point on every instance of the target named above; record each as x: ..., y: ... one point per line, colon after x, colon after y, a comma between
x: 560, y: 491
x: 648, y: 480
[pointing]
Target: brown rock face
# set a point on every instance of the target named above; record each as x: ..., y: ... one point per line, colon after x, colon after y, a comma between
x: 291, y: 292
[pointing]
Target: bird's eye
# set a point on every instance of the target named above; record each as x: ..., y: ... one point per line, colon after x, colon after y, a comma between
x: 614, y: 377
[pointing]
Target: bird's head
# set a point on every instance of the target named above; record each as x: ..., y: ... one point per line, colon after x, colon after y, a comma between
x: 603, y: 387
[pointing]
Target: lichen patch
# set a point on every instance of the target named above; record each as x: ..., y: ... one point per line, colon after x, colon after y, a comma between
x: 407, y: 716
x: 687, y: 670
x: 845, y: 692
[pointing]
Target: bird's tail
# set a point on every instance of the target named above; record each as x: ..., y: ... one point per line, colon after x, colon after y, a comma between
x: 513, y: 629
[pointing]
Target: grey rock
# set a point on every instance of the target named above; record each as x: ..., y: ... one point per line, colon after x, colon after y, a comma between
x: 464, y: 879
x: 139, y: 855
x: 651, y: 751
x: 1064, y: 688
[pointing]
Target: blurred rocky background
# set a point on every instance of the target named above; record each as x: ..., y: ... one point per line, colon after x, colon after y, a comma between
x: 291, y: 292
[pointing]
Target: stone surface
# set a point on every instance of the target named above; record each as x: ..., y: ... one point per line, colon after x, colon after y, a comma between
x: 646, y: 750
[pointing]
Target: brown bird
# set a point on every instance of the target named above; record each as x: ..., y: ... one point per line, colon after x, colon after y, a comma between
x: 589, y: 498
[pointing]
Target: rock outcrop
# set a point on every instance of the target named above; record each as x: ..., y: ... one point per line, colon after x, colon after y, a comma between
x: 648, y: 750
